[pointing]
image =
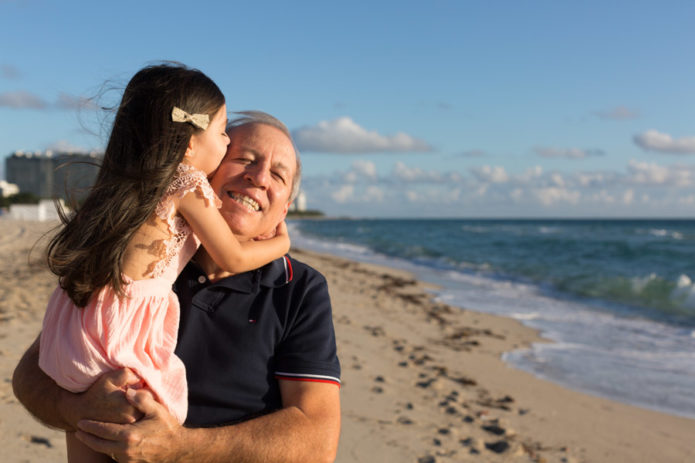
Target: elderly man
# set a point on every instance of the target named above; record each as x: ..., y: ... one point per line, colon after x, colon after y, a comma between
x: 259, y: 347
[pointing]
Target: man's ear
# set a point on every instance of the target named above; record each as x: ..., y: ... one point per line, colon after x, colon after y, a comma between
x: 286, y: 209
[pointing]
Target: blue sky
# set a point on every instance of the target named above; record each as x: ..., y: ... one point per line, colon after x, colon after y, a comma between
x: 404, y: 109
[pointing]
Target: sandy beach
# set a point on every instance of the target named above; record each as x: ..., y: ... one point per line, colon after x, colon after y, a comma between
x: 422, y: 381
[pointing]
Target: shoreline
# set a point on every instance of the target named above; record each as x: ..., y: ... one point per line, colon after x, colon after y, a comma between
x: 635, y: 353
x: 422, y: 381
x: 422, y: 378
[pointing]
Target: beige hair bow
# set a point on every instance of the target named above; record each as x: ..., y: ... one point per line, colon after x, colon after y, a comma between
x: 199, y: 120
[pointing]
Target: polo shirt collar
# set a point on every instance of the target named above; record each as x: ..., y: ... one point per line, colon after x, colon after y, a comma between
x: 273, y: 275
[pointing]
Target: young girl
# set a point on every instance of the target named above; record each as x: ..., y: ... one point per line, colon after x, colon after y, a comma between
x: 118, y: 255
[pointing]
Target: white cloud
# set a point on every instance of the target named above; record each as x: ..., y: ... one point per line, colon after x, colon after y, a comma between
x: 587, y: 179
x: 26, y: 100
x: 349, y: 194
x: 415, y: 174
x: 21, y: 100
x: 361, y: 170
x: 412, y: 196
x: 619, y: 113
x: 557, y: 180
x: 403, y: 172
x: 653, y: 140
x: 345, y: 136
x: 491, y: 174
x: 566, y: 153
x: 645, y: 173
x: 66, y: 101
x: 343, y: 194
x: 551, y: 195
x: 373, y: 193
x: 431, y: 195
x: 628, y: 196
x: 530, y: 174
x: 603, y: 197
x: 481, y: 191
x: 639, y: 189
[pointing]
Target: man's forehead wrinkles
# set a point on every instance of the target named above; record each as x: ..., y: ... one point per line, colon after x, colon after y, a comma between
x: 250, y: 149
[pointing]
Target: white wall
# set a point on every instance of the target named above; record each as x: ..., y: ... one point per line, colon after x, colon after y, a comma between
x: 43, y: 211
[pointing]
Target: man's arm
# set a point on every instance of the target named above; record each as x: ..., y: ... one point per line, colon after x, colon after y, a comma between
x: 307, y: 428
x: 56, y: 407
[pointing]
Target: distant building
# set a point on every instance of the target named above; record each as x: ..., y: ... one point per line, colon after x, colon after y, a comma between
x: 53, y: 175
x: 299, y: 203
x: 8, y: 189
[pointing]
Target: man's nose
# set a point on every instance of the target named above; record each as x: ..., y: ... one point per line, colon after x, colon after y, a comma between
x: 258, y: 174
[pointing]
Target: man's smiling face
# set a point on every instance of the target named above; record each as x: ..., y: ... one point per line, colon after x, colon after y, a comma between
x: 254, y: 180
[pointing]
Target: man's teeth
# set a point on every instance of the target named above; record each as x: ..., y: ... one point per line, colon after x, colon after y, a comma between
x: 245, y: 200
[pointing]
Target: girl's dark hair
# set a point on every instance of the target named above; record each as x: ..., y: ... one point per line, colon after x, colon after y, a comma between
x: 144, y: 149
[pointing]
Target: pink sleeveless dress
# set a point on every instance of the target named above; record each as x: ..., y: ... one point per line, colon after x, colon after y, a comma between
x: 138, y: 331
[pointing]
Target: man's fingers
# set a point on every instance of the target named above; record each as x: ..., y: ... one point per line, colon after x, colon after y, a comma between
x: 122, y: 378
x: 143, y: 400
x: 106, y: 431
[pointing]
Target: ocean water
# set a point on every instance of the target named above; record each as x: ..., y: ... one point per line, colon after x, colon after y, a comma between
x: 617, y: 297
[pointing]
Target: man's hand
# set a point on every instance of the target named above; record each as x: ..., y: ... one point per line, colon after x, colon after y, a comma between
x: 153, y: 438
x: 307, y: 429
x: 104, y: 400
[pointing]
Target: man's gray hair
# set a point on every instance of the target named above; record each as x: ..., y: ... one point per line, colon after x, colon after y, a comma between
x: 259, y: 117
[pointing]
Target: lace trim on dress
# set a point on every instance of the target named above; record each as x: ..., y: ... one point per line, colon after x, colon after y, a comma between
x: 187, y: 179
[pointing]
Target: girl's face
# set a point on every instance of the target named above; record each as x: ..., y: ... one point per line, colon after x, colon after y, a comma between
x: 207, y: 148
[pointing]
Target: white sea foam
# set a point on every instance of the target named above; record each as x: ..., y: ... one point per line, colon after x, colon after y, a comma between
x: 474, y: 228
x: 525, y: 316
x: 639, y: 283
x: 684, y: 292
x: 660, y: 232
x: 548, y: 230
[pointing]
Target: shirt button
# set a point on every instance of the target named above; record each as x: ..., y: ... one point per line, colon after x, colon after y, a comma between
x: 201, y: 279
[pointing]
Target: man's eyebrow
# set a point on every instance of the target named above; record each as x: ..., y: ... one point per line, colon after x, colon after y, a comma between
x: 281, y: 166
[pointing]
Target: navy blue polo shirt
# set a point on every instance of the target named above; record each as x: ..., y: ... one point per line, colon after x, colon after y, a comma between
x: 241, y: 334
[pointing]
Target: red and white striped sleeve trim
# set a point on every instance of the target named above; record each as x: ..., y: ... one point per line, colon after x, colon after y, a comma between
x: 307, y: 377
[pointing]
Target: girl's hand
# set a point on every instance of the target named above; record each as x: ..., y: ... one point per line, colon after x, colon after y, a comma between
x: 282, y: 235
x: 281, y: 230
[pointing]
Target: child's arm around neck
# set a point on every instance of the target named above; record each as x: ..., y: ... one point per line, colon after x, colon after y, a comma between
x: 220, y: 243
